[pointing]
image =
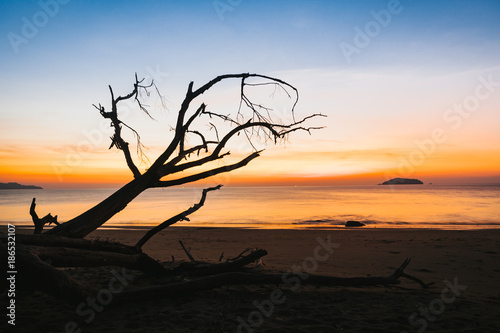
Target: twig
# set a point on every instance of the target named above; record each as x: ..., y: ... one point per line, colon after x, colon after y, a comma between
x: 187, y: 252
x: 422, y: 283
x: 239, y: 255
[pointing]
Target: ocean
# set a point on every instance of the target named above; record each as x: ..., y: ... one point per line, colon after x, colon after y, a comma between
x: 408, y: 206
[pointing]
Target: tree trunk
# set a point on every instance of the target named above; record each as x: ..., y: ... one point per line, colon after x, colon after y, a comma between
x: 34, y: 274
x: 71, y: 257
x: 185, y: 159
x: 93, y: 218
x: 190, y: 287
x: 84, y: 244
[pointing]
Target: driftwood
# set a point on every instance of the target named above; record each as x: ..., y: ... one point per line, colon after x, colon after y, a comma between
x: 291, y: 280
x: 34, y: 274
x: 40, y: 222
x: 235, y: 278
x: 197, y: 269
x: 187, y: 251
x: 70, y: 257
x: 38, y: 274
x: 84, y: 244
x: 37, y: 268
x: 71, y: 252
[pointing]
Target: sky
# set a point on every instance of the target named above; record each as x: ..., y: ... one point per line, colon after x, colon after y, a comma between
x: 410, y: 88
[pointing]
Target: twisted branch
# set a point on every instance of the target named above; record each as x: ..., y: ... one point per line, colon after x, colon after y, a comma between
x: 179, y: 217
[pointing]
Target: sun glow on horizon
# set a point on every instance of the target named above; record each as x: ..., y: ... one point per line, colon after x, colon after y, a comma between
x: 280, y: 168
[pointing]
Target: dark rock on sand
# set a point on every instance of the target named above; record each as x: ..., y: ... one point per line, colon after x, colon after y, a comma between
x: 354, y: 224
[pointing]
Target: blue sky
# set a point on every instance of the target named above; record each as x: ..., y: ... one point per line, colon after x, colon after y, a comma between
x: 428, y: 56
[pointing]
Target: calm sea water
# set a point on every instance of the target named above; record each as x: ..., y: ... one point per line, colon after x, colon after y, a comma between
x: 444, y: 207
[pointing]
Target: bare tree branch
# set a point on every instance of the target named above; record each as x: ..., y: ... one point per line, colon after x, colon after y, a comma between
x: 277, y: 134
x: 253, y: 118
x: 117, y: 139
x: 192, y: 150
x: 180, y: 127
x: 179, y: 217
x: 186, y: 126
x: 209, y: 173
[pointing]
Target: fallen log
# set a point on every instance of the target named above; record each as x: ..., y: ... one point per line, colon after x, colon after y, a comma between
x: 59, y: 241
x: 197, y: 269
x: 290, y: 280
x: 34, y: 274
x: 72, y: 257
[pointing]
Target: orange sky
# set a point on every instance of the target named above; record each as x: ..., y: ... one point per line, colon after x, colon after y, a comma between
x: 274, y: 167
x: 355, y: 147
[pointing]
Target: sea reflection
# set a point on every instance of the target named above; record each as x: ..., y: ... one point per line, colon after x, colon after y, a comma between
x: 445, y: 207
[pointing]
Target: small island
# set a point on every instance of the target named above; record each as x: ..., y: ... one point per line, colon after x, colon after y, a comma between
x: 16, y: 186
x: 402, y: 181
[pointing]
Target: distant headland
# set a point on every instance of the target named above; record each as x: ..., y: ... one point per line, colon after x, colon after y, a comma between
x: 16, y: 186
x: 402, y: 181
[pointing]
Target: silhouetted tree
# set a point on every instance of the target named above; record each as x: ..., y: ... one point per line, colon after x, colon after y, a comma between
x: 253, y: 119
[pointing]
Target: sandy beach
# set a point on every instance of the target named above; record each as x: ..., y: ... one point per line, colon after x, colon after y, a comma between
x: 463, y: 265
